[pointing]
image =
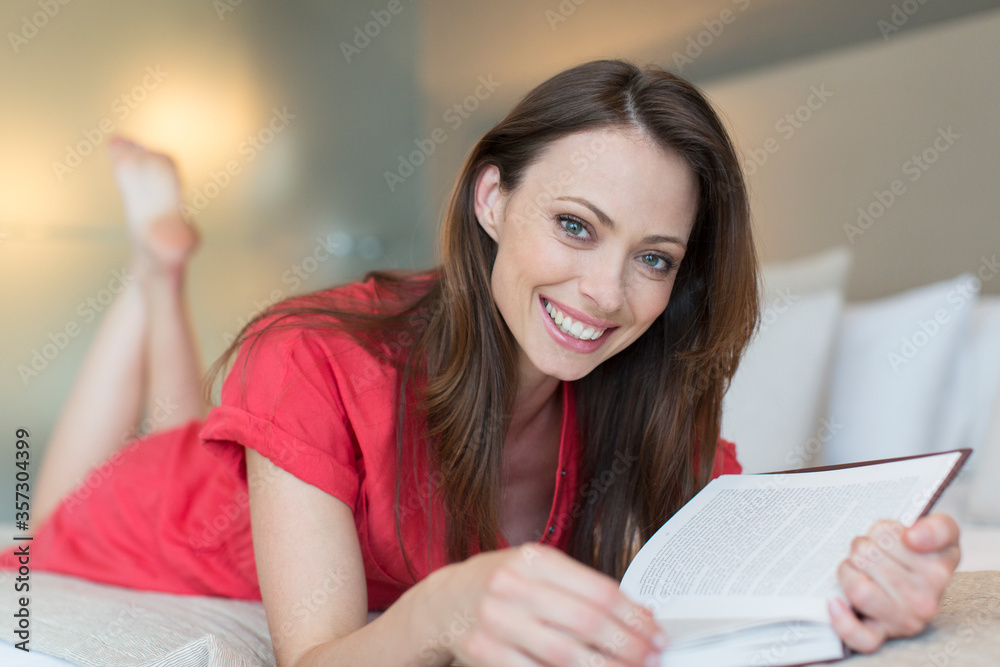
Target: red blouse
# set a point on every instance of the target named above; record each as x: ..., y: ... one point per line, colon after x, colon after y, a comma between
x: 170, y: 512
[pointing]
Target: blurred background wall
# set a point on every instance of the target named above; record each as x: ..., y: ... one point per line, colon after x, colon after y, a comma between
x: 328, y: 110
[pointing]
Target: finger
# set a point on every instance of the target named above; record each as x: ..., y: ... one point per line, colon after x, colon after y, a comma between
x: 916, y: 589
x: 543, y: 643
x: 864, y: 637
x: 886, y: 544
x: 868, y: 596
x: 885, y: 539
x: 884, y: 555
x: 548, y: 566
x: 579, y: 618
x: 888, y: 563
x: 485, y: 650
x: 934, y: 532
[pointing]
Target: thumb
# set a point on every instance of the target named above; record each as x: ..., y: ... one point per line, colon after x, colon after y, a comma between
x: 934, y: 532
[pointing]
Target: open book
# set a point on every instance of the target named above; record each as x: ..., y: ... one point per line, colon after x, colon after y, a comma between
x: 741, y: 574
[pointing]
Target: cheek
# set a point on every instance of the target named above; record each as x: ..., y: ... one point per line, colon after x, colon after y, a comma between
x: 649, y: 302
x: 537, y: 257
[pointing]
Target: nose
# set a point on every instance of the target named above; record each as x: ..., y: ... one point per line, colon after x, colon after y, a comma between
x: 602, y: 282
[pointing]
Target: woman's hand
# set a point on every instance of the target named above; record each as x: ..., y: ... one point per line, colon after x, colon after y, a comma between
x: 894, y: 578
x: 534, y: 605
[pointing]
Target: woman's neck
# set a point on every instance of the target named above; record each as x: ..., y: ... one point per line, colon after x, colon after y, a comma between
x: 537, y: 393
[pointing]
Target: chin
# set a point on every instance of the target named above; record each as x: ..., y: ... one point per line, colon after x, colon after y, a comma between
x: 568, y: 374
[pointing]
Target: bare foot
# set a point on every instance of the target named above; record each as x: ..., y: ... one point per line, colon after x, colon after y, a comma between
x: 150, y: 191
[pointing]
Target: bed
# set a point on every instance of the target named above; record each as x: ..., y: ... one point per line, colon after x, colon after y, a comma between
x: 76, y: 622
x: 811, y: 390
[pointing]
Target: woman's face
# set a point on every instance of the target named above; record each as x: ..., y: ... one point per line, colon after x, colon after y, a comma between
x: 595, y: 233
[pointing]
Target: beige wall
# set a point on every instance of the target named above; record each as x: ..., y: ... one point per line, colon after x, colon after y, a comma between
x: 888, y: 102
x: 889, y: 99
x: 61, y: 240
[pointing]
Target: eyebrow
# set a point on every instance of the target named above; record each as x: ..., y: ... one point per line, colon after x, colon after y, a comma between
x: 610, y: 224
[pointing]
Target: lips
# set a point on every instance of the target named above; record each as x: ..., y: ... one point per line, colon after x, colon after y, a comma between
x: 571, y: 327
x: 576, y: 335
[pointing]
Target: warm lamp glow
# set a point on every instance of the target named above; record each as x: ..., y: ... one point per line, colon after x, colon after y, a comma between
x: 199, y: 122
x: 29, y: 191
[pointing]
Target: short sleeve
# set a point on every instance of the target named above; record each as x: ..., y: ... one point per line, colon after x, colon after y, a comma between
x: 725, y: 460
x: 281, y: 398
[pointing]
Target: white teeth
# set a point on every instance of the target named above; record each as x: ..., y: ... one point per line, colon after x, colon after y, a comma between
x: 568, y: 326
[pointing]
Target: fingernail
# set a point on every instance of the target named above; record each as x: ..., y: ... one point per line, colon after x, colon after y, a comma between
x: 660, y: 641
x: 835, y: 608
x: 652, y: 661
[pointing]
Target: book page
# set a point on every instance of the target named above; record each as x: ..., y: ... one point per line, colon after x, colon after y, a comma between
x: 768, y: 546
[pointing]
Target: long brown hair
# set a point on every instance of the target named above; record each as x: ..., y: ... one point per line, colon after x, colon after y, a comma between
x: 656, y: 405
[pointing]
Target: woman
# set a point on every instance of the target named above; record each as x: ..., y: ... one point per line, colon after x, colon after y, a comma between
x: 555, y: 385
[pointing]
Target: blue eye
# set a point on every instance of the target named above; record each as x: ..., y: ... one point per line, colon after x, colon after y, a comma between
x: 664, y: 268
x: 574, y: 228
x: 569, y: 223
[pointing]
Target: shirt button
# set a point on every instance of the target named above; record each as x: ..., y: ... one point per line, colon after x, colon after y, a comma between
x: 552, y: 529
x: 562, y: 472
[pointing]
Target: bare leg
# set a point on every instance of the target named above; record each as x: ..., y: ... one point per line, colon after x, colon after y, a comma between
x: 144, y: 351
x: 174, y: 376
x: 103, y: 406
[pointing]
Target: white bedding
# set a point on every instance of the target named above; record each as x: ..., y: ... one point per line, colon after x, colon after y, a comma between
x: 106, y: 626
x: 14, y: 657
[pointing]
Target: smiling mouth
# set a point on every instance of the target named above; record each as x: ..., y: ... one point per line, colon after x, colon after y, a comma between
x: 569, y: 326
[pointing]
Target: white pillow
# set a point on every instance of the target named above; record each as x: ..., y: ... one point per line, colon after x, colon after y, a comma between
x: 895, y: 359
x: 88, y: 623
x: 983, y: 403
x: 773, y: 408
x: 970, y: 394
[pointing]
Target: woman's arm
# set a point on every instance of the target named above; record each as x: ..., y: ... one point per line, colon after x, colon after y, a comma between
x: 895, y: 577
x: 528, y: 605
x: 312, y: 579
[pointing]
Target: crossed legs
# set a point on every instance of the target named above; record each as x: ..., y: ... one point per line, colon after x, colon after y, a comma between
x: 144, y: 359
